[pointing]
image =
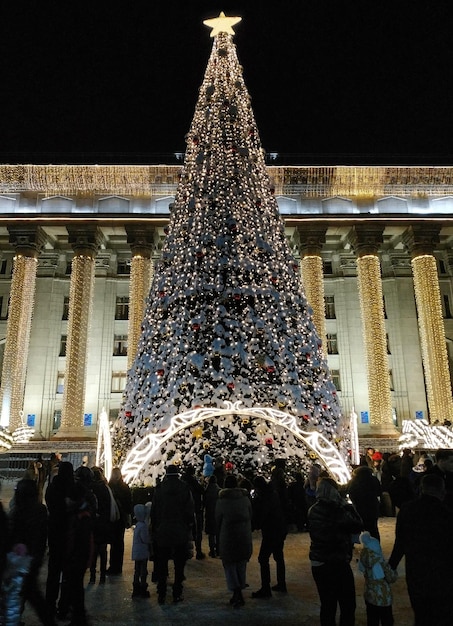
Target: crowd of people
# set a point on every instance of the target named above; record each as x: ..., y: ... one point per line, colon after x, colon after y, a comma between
x: 74, y: 522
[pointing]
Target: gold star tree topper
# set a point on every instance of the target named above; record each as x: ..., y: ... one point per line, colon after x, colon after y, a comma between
x: 222, y: 24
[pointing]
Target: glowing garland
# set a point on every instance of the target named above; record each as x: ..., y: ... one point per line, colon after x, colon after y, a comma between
x: 313, y: 280
x: 142, y: 180
x: 17, y: 340
x: 141, y: 269
x: 432, y: 338
x: 6, y: 439
x: 375, y: 341
x: 80, y: 299
x: 148, y: 449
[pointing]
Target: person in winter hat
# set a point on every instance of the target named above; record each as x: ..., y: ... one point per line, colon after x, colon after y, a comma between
x: 140, y: 551
x: 378, y: 577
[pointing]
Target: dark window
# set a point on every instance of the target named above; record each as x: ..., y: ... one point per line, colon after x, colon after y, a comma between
x: 327, y: 267
x: 330, y: 307
x: 336, y: 379
x: 332, y: 345
x: 65, y: 315
x: 63, y: 341
x: 120, y: 345
x: 122, y: 308
x: 447, y: 309
x: 3, y: 266
x: 123, y: 267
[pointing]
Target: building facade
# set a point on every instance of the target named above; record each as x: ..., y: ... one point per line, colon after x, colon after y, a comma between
x: 78, y: 245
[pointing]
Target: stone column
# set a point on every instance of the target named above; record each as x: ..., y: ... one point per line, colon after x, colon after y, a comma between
x: 310, y: 246
x: 85, y: 243
x: 421, y: 240
x: 365, y: 240
x: 27, y: 242
x: 141, y: 240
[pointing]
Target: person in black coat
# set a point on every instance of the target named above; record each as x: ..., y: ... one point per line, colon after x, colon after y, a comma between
x: 210, y: 500
x: 234, y: 524
x: 364, y: 489
x: 423, y: 534
x: 172, y: 518
x: 101, y: 525
x: 269, y: 518
x: 198, y: 495
x: 123, y: 496
x: 59, y: 490
x: 331, y: 522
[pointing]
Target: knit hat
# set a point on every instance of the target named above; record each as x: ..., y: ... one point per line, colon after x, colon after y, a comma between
x: 377, y: 456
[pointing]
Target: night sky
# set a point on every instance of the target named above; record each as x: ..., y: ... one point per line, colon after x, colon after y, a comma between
x: 332, y: 82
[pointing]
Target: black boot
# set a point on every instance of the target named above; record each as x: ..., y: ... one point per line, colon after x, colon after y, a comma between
x: 144, y: 593
x: 136, y: 590
x: 264, y: 592
x: 237, y: 600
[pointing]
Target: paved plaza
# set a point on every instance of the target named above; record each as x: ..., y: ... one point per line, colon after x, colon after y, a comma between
x: 206, y: 596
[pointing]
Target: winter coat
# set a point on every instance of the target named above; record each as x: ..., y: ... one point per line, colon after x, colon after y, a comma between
x: 172, y: 513
x: 377, y: 572
x: 423, y: 534
x: 210, y: 500
x: 234, y: 523
x: 102, y: 527
x: 141, y: 539
x: 29, y: 527
x: 123, y: 496
x: 364, y: 489
x: 268, y: 514
x: 331, y: 522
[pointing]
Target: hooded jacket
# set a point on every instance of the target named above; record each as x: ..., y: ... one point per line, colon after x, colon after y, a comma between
x: 377, y: 572
x: 141, y: 540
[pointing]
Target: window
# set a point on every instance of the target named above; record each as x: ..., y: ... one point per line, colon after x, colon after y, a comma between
x: 332, y: 346
x: 447, y: 309
x: 3, y: 266
x: 123, y: 267
x: 329, y: 302
x: 68, y: 268
x: 442, y: 267
x: 392, y: 387
x: 385, y: 308
x: 122, y: 308
x: 327, y: 267
x: 120, y: 345
x: 65, y: 315
x: 336, y: 379
x: 60, y: 382
x: 118, y: 381
x: 63, y: 341
x: 388, y: 343
x: 56, y: 419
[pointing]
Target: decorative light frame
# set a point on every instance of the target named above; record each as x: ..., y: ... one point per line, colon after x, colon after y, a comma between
x: 148, y: 449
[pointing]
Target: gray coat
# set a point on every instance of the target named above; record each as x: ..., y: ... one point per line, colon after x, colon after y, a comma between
x: 234, y: 524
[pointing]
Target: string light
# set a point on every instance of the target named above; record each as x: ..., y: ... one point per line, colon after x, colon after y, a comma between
x: 375, y: 341
x: 313, y: 280
x: 104, y: 444
x: 18, y: 328
x: 432, y: 338
x: 80, y: 300
x: 142, y: 180
x: 420, y: 434
x: 140, y: 279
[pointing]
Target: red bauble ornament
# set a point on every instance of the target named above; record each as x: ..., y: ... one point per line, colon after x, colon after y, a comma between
x: 160, y: 372
x: 230, y: 385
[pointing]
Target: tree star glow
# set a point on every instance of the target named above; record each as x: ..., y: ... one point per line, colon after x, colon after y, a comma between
x: 222, y: 24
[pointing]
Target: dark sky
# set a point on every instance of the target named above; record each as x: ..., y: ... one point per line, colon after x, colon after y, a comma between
x: 330, y: 81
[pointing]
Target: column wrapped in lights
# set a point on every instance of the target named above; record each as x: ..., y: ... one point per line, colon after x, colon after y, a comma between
x: 85, y: 242
x: 313, y: 281
x: 80, y: 300
x: 17, y: 339
x: 375, y: 342
x: 141, y: 241
x: 432, y: 338
x: 140, y: 281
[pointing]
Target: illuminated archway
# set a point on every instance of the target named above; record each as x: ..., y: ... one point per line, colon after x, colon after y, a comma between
x: 148, y: 448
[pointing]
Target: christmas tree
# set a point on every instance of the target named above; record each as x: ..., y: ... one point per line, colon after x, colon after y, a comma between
x: 226, y: 318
